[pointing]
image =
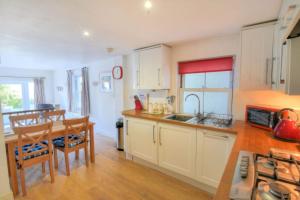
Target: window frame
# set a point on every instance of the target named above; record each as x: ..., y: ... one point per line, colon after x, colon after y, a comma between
x: 204, y: 89
x: 25, y: 89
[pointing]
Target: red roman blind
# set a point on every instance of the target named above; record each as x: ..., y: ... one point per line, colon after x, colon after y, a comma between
x: 208, y: 65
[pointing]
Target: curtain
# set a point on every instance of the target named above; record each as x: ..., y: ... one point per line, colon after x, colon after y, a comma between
x: 39, y: 91
x: 70, y: 89
x: 85, y: 92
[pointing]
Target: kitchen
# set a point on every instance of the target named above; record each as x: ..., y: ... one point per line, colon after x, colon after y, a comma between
x: 206, y: 105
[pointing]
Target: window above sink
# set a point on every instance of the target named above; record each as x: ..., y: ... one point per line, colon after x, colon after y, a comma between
x: 212, y: 86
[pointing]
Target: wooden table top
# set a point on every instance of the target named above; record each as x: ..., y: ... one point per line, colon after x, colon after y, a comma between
x: 57, y: 128
x: 248, y: 138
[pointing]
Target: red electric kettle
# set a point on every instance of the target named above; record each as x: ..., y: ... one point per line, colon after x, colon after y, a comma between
x: 287, y: 127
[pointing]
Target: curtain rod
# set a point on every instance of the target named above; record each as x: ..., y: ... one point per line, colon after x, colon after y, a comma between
x: 21, y: 77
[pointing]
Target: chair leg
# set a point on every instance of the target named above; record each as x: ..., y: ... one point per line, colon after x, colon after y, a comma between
x: 23, y: 185
x: 67, y: 163
x: 86, y: 155
x: 51, y: 168
x: 55, y: 159
x: 77, y: 154
x: 44, y: 167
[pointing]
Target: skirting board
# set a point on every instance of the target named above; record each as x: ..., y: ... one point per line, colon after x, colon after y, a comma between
x: 204, y: 187
x: 8, y: 196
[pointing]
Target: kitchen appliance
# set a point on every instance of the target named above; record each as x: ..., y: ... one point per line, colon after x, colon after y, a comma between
x: 264, y: 117
x: 266, y: 177
x: 287, y: 127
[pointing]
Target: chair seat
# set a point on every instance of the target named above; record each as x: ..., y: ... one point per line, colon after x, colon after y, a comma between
x: 60, y: 142
x: 37, y: 147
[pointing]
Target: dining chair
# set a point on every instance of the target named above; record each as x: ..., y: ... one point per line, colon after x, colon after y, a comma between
x: 34, y: 146
x: 75, y: 138
x: 25, y: 120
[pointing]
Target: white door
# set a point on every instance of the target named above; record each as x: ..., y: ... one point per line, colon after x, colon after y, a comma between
x: 150, y: 68
x: 213, y: 149
x: 177, y: 149
x: 143, y: 139
x: 257, y: 58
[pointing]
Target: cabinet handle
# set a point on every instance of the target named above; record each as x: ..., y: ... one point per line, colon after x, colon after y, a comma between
x: 126, y: 127
x: 158, y: 76
x: 153, y: 136
x: 267, y: 70
x: 159, y: 136
x: 272, y: 68
x: 281, y: 66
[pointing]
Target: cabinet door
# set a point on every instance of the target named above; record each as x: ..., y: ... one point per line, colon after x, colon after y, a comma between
x: 213, y: 149
x: 177, y: 149
x: 257, y: 57
x: 143, y: 139
x: 150, y: 68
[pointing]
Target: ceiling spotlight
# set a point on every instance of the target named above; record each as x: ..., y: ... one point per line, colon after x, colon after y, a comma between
x: 148, y: 4
x: 86, y: 33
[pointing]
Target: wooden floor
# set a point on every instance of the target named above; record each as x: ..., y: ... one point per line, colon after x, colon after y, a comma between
x: 111, y: 177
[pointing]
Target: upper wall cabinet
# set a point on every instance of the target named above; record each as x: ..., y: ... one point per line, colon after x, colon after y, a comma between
x: 257, y: 68
x: 153, y: 67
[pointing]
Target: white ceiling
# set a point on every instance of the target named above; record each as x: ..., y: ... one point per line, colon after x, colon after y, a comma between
x: 48, y: 33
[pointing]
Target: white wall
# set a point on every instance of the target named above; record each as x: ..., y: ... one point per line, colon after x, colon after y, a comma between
x: 5, y: 192
x: 106, y: 108
x: 48, y: 74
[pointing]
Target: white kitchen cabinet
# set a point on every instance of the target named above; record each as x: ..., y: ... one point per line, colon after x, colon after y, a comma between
x: 257, y: 67
x: 177, y: 148
x: 142, y: 137
x: 213, y: 150
x: 153, y: 67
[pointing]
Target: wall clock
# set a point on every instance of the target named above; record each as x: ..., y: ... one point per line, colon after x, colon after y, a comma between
x: 117, y: 72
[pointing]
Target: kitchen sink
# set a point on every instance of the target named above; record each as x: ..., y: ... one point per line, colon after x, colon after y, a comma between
x: 180, y: 117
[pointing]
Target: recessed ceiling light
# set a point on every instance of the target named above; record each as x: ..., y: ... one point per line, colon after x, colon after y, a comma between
x: 148, y: 4
x: 86, y: 33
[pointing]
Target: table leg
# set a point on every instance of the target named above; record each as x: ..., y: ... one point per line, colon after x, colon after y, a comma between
x: 12, y: 168
x: 92, y: 143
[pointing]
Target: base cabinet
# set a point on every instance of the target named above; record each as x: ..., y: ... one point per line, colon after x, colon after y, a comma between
x: 213, y: 150
x: 142, y: 139
x: 199, y: 154
x: 177, y: 149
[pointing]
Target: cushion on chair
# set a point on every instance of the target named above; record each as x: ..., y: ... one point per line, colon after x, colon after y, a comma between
x: 60, y: 142
x: 37, y: 147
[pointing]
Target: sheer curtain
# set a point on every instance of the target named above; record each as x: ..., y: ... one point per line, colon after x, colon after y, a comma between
x: 70, y: 89
x: 39, y: 91
x: 85, y: 92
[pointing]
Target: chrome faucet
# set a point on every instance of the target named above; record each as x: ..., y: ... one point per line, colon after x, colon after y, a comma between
x: 198, y: 115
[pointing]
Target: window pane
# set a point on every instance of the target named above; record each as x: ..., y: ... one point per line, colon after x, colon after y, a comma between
x: 11, y: 97
x: 31, y: 94
x: 217, y: 102
x: 218, y: 79
x: 194, y: 80
x: 191, y: 104
x: 77, y: 93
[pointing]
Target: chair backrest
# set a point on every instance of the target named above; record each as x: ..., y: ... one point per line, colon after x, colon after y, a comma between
x: 24, y: 120
x: 77, y: 127
x: 54, y: 116
x: 36, y: 138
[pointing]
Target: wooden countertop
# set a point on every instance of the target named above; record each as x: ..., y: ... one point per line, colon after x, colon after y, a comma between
x: 160, y: 118
x: 248, y: 138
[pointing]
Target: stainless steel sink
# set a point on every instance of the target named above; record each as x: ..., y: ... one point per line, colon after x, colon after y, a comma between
x: 180, y: 117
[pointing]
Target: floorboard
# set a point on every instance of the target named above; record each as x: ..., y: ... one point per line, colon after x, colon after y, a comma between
x: 112, y: 177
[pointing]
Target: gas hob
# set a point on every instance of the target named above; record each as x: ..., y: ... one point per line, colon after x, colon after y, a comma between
x: 267, y: 177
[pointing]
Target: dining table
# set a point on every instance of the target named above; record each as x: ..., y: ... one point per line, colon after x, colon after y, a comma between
x: 58, y: 130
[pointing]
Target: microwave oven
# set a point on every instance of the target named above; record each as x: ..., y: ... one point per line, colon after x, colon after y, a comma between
x: 262, y: 116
